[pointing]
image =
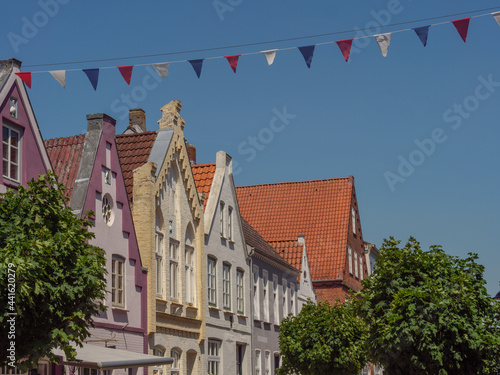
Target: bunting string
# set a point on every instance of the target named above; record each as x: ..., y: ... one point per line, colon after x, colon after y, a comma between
x: 383, y: 41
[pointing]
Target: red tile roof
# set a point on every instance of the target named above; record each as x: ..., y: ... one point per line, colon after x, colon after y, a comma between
x: 133, y: 150
x: 318, y: 209
x: 203, y: 176
x: 65, y: 155
x: 290, y: 251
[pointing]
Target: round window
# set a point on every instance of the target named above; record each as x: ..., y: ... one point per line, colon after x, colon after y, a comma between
x: 107, y: 210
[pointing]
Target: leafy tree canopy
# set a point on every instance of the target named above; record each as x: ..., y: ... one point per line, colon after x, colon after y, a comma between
x: 322, y: 340
x: 429, y: 313
x: 50, y: 277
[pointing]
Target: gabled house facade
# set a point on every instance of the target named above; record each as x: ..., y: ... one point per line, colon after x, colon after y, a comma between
x: 229, y: 321
x: 326, y: 213
x: 23, y: 153
x: 274, y: 286
x: 168, y: 218
x: 89, y: 167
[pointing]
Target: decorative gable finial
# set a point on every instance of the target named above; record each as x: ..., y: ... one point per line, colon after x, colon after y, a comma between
x: 171, y: 115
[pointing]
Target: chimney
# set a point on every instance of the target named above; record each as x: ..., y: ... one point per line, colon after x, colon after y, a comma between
x: 137, y: 116
x: 301, y: 240
x: 191, y: 149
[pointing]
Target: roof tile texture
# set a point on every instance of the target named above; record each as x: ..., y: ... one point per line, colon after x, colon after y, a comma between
x: 318, y: 209
x: 203, y: 176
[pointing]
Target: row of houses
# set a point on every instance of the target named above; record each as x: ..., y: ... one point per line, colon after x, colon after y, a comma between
x: 200, y: 272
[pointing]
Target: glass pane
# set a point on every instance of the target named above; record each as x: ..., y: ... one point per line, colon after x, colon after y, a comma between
x: 14, y: 138
x: 5, y: 168
x: 13, y: 171
x: 5, y: 151
x: 13, y: 155
x: 5, y: 135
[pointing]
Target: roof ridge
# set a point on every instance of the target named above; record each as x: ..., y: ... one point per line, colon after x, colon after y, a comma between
x: 202, y: 165
x: 136, y: 134
x: 295, y: 182
x: 63, y: 138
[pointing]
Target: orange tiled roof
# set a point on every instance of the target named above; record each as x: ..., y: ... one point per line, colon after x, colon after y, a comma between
x: 65, y: 155
x: 203, y: 176
x: 133, y: 150
x: 290, y: 251
x: 318, y: 209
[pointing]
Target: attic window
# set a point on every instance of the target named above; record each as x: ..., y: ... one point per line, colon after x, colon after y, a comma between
x: 107, y: 210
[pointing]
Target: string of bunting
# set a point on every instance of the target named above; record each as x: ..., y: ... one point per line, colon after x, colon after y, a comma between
x: 383, y: 41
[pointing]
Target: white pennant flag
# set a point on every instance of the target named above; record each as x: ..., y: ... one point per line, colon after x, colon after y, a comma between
x: 383, y: 41
x: 269, y: 55
x: 162, y: 69
x: 497, y: 16
x: 60, y: 76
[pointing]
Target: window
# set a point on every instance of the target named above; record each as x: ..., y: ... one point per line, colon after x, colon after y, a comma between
x: 230, y: 223
x: 240, y: 351
x: 349, y: 252
x: 275, y: 300
x: 285, y: 299
x: 13, y: 107
x: 212, y: 281
x: 117, y: 269
x: 213, y: 357
x: 174, y: 269
x: 226, y: 286
x: 107, y: 209
x: 190, y: 282
x: 240, y: 292
x: 265, y: 295
x: 11, y: 142
x: 257, y: 362
x: 361, y: 267
x: 222, y: 220
x: 353, y: 219
x: 159, y: 352
x: 159, y: 263
x: 292, y: 299
x: 256, y: 299
x: 356, y: 264
x: 276, y: 362
x: 176, y: 355
x: 267, y: 362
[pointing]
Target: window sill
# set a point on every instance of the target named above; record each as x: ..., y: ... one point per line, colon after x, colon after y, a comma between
x: 231, y: 241
x: 242, y: 315
x: 119, y: 308
x: 10, y: 183
x: 176, y: 303
x: 191, y: 307
x: 213, y: 307
x: 228, y: 312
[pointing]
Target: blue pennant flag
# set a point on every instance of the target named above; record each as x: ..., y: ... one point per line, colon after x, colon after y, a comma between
x: 197, y: 64
x: 422, y: 33
x: 93, y: 75
x: 307, y: 52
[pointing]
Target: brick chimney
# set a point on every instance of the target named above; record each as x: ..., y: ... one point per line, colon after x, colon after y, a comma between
x: 191, y: 150
x: 137, y: 116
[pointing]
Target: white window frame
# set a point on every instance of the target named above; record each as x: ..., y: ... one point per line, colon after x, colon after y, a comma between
x: 213, y: 357
x: 356, y: 273
x: 189, y: 274
x: 230, y: 223
x: 265, y: 294
x: 159, y: 263
x: 256, y: 293
x: 174, y: 269
x: 267, y: 362
x: 6, y: 148
x: 222, y: 206
x: 175, y: 367
x: 258, y: 362
x: 117, y: 281
x: 353, y: 218
x: 361, y: 274
x: 293, y: 299
x: 276, y: 306
x: 285, y: 298
x: 240, y: 291
x: 212, y: 281
x: 349, y: 252
x: 226, y: 286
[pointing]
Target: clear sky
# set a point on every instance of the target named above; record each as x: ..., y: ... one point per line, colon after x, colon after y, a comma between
x: 418, y: 129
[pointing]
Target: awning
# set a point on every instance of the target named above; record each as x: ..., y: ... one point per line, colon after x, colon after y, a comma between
x: 98, y: 357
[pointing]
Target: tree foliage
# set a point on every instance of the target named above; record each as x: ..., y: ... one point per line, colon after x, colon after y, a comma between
x: 322, y: 340
x: 429, y: 313
x: 50, y: 277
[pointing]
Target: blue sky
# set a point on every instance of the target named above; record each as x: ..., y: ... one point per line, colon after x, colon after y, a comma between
x: 418, y: 129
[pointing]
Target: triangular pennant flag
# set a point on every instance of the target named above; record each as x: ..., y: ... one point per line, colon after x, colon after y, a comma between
x: 269, y: 55
x: 423, y: 33
x: 307, y: 52
x: 497, y: 16
x: 462, y: 27
x: 26, y: 78
x: 197, y: 64
x: 93, y: 76
x: 233, y: 61
x: 162, y: 69
x: 60, y: 76
x: 126, y: 72
x: 383, y: 41
x: 345, y: 47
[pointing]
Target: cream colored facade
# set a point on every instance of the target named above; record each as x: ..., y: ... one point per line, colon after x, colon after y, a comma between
x: 168, y: 219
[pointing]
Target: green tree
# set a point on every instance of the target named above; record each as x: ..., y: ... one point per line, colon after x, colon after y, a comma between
x: 322, y: 340
x: 51, y: 279
x: 429, y: 313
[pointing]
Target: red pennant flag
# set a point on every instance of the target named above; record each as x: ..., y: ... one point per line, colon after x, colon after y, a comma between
x: 233, y: 61
x: 462, y: 27
x: 345, y: 47
x: 126, y: 72
x: 26, y: 78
